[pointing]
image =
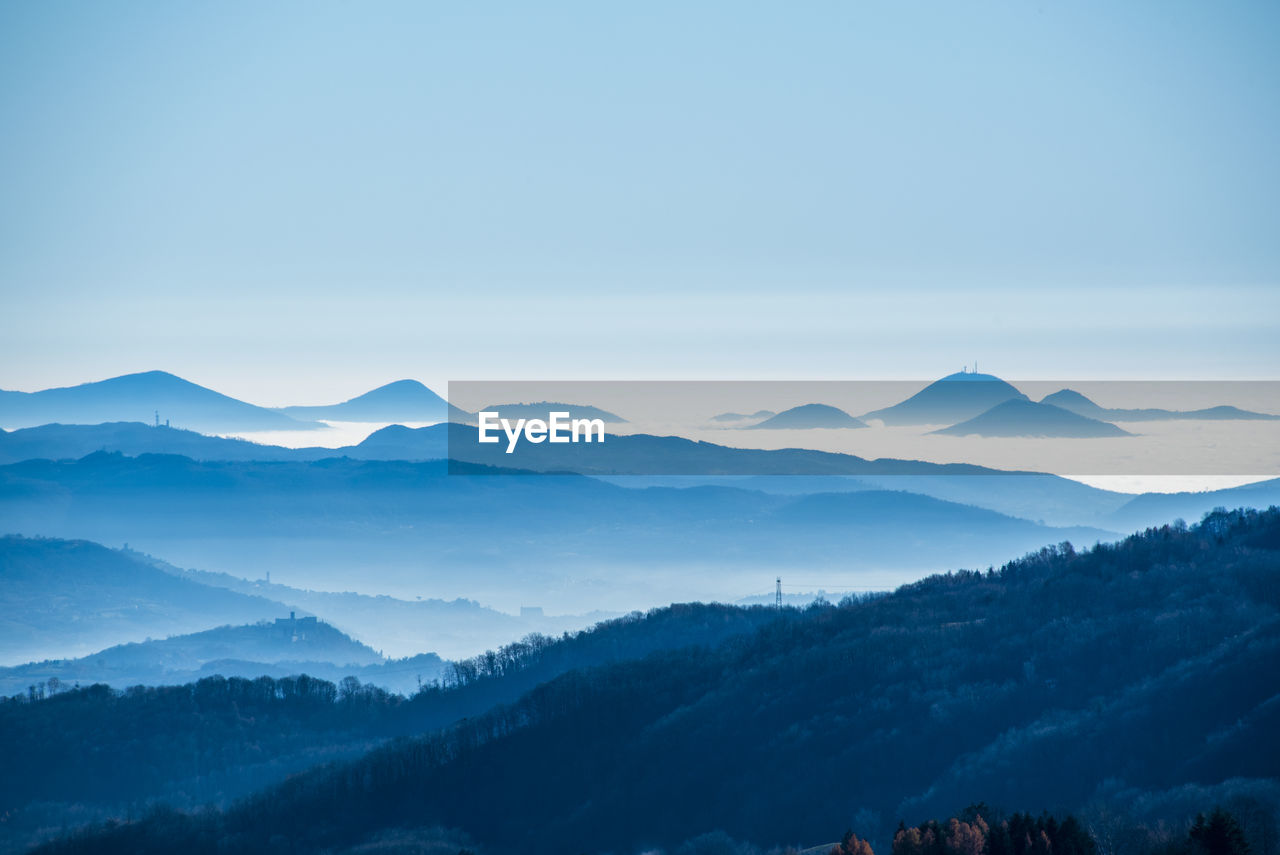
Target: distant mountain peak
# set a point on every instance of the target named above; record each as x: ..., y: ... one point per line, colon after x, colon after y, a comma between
x: 1070, y: 399
x: 154, y: 379
x: 808, y: 416
x: 971, y: 376
x: 1023, y: 417
x: 155, y: 372
x: 398, y: 387
x: 407, y: 383
x: 398, y: 401
x: 948, y: 400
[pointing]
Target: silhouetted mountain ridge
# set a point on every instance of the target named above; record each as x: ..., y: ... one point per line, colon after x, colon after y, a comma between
x: 1157, y: 508
x: 317, y: 520
x: 276, y: 648
x: 1069, y: 399
x: 1020, y: 417
x: 808, y: 417
x: 1051, y: 498
x: 140, y: 397
x: 400, y: 401
x: 740, y: 417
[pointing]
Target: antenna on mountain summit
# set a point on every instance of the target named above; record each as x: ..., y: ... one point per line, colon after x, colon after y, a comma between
x: 157, y: 418
x: 777, y: 603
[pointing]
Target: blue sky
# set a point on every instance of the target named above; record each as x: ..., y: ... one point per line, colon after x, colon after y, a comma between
x: 296, y: 202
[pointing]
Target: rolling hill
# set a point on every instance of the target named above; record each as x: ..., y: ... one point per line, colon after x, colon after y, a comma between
x: 70, y: 598
x: 453, y: 628
x: 93, y: 597
x: 1156, y: 508
x: 280, y: 648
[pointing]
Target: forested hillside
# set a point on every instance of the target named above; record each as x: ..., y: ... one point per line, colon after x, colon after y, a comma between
x: 1059, y: 680
x: 95, y: 752
x: 281, y: 648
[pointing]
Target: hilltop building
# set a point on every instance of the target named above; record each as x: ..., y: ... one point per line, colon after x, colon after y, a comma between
x: 295, y: 628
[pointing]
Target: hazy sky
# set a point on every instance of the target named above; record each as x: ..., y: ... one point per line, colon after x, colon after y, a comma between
x: 295, y: 202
